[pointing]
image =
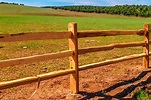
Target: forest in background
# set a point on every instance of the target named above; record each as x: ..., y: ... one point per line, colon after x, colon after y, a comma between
x: 11, y: 3
x: 127, y: 10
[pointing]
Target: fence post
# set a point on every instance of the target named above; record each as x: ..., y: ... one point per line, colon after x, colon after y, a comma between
x: 73, y: 45
x: 146, y: 47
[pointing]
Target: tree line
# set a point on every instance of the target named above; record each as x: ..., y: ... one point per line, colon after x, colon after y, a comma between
x: 11, y: 3
x: 128, y: 10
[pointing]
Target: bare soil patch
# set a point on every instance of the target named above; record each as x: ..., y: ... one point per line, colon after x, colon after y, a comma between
x: 112, y: 82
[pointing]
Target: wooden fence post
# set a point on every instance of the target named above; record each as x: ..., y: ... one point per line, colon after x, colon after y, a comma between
x: 146, y: 47
x: 73, y: 45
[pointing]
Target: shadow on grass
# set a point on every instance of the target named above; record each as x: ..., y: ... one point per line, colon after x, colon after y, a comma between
x: 122, y: 94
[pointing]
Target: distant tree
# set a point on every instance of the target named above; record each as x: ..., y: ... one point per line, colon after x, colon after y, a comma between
x: 128, y: 10
x: 22, y: 4
x: 11, y: 3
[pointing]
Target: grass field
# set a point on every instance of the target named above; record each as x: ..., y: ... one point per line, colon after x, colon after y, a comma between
x: 23, y: 23
x: 16, y: 19
x: 31, y: 19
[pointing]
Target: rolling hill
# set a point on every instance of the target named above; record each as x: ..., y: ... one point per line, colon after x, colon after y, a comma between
x: 18, y: 9
x: 33, y: 19
x: 8, y: 9
x: 126, y: 10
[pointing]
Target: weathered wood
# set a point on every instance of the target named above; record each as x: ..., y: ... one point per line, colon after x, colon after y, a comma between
x: 1, y: 46
x: 146, y: 47
x: 55, y: 74
x: 41, y: 77
x: 107, y: 62
x: 149, y: 42
x: 109, y: 33
x: 34, y: 36
x: 72, y: 35
x: 73, y: 45
x: 110, y: 47
x: 14, y: 83
x: 36, y: 58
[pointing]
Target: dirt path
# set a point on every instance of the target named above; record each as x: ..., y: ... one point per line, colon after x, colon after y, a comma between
x: 112, y: 82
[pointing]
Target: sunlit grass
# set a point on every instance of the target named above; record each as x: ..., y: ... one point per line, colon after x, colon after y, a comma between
x: 11, y: 24
x: 142, y: 95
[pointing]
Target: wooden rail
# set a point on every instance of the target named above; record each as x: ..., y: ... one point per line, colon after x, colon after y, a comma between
x: 34, y: 36
x: 109, y: 33
x: 41, y: 77
x: 72, y: 35
x: 107, y: 62
x: 110, y: 47
x: 36, y: 58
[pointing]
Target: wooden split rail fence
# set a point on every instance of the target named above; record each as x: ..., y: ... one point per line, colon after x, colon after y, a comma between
x: 72, y: 35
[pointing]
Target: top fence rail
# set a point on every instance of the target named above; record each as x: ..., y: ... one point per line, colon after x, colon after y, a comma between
x: 34, y: 36
x: 65, y: 35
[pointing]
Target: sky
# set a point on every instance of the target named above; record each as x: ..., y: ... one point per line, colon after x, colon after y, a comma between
x: 78, y: 2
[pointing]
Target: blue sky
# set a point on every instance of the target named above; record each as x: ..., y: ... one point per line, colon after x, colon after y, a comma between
x: 78, y: 2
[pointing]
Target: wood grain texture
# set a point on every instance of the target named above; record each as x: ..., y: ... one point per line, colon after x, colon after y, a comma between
x: 27, y: 80
x: 109, y: 33
x: 149, y: 42
x: 146, y: 47
x: 34, y: 36
x: 73, y: 45
x: 107, y: 62
x: 110, y: 47
x: 36, y: 58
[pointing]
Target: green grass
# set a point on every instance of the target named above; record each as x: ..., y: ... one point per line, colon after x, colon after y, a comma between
x: 21, y: 23
x: 142, y: 95
x: 16, y: 19
x: 33, y: 19
x: 16, y: 9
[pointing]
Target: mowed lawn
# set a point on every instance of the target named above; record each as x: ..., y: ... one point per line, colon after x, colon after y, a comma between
x: 57, y: 20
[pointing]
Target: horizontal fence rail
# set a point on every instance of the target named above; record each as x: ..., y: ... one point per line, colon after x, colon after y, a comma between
x: 107, y: 62
x: 110, y: 47
x: 36, y: 58
x: 41, y: 77
x: 109, y: 33
x: 72, y: 35
x: 34, y: 36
